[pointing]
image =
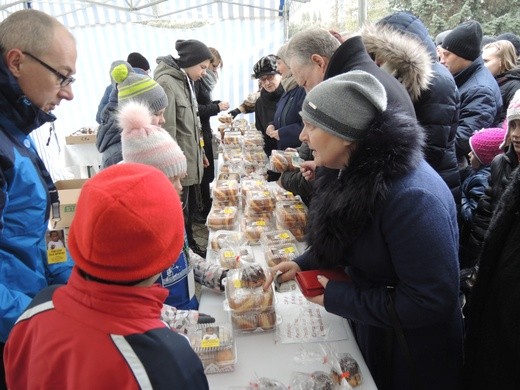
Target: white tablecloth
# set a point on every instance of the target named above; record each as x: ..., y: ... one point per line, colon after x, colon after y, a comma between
x: 262, y: 355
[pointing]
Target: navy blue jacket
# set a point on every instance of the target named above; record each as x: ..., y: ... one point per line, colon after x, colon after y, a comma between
x: 480, y: 103
x: 287, y: 119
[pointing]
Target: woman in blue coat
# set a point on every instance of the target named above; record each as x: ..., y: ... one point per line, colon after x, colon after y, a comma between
x: 287, y: 124
x: 388, y: 218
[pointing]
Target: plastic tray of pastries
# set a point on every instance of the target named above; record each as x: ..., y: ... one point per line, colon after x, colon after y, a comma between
x: 222, y: 218
x: 277, y: 253
x: 215, y: 346
x: 251, y: 307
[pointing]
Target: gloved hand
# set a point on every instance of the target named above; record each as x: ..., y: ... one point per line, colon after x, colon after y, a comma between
x: 234, y: 112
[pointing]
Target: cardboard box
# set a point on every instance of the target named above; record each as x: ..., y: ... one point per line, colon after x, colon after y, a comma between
x: 81, y: 139
x: 68, y: 191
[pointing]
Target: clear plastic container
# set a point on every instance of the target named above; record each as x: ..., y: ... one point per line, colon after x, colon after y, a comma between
x: 222, y: 218
x: 215, y: 346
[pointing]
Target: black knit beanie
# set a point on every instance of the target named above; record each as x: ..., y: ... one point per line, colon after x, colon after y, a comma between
x: 464, y: 40
x: 191, y: 52
x: 137, y: 60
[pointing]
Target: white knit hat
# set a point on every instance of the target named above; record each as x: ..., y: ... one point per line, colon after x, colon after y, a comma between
x: 147, y: 144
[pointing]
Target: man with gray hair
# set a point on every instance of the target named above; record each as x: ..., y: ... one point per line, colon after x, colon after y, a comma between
x: 315, y: 55
x: 38, y: 59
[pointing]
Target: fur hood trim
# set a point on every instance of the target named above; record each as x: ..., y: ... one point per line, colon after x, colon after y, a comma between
x: 344, y: 204
x: 401, y: 55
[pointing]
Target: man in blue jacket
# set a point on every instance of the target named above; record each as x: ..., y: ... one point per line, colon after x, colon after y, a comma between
x: 38, y: 60
x: 480, y: 98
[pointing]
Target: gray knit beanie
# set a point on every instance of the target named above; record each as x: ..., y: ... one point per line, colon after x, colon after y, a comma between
x: 140, y: 87
x: 464, y: 40
x: 191, y: 52
x: 345, y: 105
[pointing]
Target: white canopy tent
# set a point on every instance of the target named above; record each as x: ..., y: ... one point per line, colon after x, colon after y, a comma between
x: 106, y: 30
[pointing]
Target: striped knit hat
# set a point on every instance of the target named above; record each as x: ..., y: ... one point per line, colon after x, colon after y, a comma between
x: 135, y: 86
x: 147, y: 144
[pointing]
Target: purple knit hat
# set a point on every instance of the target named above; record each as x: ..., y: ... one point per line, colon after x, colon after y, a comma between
x: 485, y: 144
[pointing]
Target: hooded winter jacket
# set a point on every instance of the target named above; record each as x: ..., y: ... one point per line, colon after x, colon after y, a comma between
x: 182, y: 120
x: 26, y: 194
x: 401, y: 43
x: 391, y: 221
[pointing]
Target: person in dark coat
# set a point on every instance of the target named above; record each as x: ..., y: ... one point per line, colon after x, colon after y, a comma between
x: 207, y: 109
x: 400, y: 44
x: 480, y: 98
x: 287, y: 123
x: 501, y: 60
x: 502, y: 167
x: 382, y: 213
x: 492, y: 345
x: 266, y: 71
x: 315, y: 55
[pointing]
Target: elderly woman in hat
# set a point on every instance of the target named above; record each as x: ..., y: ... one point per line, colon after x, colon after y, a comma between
x: 384, y: 215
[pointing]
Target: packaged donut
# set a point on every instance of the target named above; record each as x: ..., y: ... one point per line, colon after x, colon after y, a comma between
x: 282, y: 161
x: 229, y: 258
x: 260, y: 201
x: 232, y: 138
x: 226, y: 191
x: 253, y: 227
x: 251, y: 307
x: 229, y: 176
x: 277, y: 253
x: 277, y: 237
x: 215, y: 346
x: 344, y: 368
x: 222, y: 218
x: 291, y: 214
x: 226, y: 238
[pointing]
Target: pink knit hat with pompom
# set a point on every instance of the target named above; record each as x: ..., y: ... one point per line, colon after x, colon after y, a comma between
x: 485, y: 144
x: 147, y: 144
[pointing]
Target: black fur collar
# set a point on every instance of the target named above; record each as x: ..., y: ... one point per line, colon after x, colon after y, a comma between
x: 344, y: 201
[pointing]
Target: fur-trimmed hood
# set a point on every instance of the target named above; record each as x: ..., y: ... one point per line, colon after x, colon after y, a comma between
x: 401, y: 55
x: 342, y: 205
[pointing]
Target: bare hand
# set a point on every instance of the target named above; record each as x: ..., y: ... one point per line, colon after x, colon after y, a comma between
x: 223, y: 106
x: 284, y: 271
x: 308, y: 170
x: 205, y: 161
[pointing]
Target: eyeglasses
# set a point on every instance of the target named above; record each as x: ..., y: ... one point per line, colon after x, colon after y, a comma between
x: 64, y: 79
x: 265, y: 79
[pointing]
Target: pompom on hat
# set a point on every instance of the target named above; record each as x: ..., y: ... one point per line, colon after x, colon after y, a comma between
x: 145, y: 143
x: 128, y: 224
x: 324, y: 105
x: 464, y: 40
x: 485, y: 144
x: 192, y: 52
x: 135, y: 86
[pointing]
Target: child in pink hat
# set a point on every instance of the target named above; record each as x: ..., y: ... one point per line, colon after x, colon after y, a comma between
x: 485, y: 145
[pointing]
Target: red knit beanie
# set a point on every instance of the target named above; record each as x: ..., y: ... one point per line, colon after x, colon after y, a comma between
x: 128, y: 224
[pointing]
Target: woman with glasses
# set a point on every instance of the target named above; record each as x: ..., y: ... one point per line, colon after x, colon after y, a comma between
x: 266, y: 71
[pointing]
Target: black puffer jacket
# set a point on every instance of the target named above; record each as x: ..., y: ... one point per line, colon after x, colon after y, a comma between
x: 402, y: 44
